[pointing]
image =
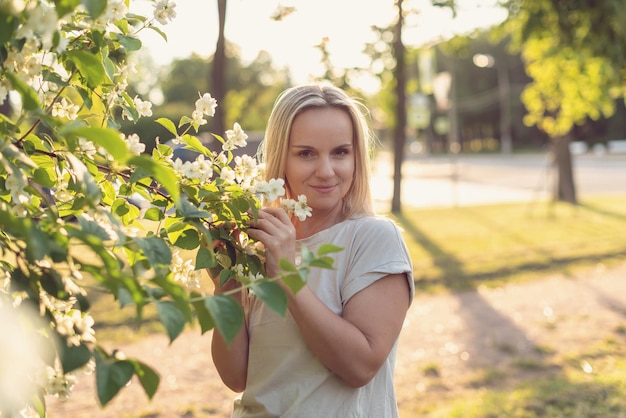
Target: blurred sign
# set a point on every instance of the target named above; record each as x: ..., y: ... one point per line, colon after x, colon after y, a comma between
x: 441, y: 89
x: 427, y: 69
x: 418, y: 114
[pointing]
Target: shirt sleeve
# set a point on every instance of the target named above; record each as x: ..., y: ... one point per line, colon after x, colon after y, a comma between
x: 378, y: 250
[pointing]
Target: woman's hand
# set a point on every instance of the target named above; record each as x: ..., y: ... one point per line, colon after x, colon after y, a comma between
x: 278, y: 235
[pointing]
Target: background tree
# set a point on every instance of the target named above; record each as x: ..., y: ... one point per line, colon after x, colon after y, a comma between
x: 574, y: 52
x: 218, y: 70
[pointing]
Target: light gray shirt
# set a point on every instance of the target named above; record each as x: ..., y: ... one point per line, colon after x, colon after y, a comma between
x: 285, y: 378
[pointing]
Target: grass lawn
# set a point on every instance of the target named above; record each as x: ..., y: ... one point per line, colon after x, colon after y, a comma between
x: 460, y: 248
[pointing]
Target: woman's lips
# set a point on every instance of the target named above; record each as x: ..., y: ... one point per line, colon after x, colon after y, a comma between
x: 324, y: 189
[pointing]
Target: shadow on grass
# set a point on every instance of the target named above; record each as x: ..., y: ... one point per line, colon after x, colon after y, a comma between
x: 485, y: 325
x: 601, y: 211
x: 452, y: 270
x: 454, y: 277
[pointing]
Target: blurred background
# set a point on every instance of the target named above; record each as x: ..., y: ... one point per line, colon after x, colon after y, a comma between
x: 441, y: 78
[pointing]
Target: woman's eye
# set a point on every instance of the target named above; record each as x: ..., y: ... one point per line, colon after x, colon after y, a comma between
x: 305, y: 154
x: 342, y: 151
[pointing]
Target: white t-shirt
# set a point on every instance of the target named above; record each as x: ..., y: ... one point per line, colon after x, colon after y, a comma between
x: 285, y: 378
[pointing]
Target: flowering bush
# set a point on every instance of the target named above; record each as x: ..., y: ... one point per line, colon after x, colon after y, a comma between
x: 69, y: 183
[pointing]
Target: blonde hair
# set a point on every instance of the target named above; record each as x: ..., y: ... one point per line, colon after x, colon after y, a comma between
x: 295, y: 100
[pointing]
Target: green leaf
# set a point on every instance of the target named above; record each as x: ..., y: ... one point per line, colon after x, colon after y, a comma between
x: 109, y: 139
x: 293, y: 281
x: 286, y: 265
x: 328, y: 248
x: 155, y: 249
x: 90, y: 67
x: 188, y: 240
x: 8, y: 25
x: 128, y: 42
x: 65, y: 6
x: 162, y: 173
x: 190, y: 211
x: 153, y: 214
x: 73, y: 357
x: 111, y: 376
x: 204, y: 316
x: 172, y: 318
x: 227, y: 314
x: 148, y: 378
x: 44, y: 177
x: 205, y: 258
x: 272, y: 294
x: 30, y: 99
x: 194, y: 143
x: 176, y: 292
x: 168, y: 124
x: 38, y: 404
x: 323, y: 262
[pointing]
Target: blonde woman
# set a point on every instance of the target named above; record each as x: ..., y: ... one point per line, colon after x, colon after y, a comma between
x: 333, y: 354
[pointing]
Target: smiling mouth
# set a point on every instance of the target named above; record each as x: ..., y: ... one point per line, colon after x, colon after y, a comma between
x: 324, y: 189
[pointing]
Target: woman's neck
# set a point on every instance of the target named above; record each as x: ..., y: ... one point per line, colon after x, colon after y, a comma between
x: 319, y: 221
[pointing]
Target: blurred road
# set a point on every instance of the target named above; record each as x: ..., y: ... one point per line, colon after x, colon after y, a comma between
x: 464, y: 180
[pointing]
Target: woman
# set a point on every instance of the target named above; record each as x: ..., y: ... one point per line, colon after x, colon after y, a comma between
x: 333, y: 354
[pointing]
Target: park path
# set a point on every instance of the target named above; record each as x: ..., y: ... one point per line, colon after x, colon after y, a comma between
x: 460, y: 333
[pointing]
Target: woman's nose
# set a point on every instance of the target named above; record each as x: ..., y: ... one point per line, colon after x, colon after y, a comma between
x: 324, y: 168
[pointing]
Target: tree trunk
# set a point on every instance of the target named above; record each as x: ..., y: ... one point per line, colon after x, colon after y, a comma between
x: 399, y: 130
x: 218, y: 73
x: 564, y: 187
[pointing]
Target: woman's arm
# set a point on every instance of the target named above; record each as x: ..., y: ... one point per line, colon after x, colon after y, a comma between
x: 354, y: 345
x: 231, y: 362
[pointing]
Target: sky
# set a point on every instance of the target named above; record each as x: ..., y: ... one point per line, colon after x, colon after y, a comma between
x: 291, y: 42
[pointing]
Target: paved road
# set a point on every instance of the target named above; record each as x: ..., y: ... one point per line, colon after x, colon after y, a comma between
x: 436, y: 181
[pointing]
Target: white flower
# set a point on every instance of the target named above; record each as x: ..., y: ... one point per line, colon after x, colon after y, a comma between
x: 184, y: 271
x: 42, y: 21
x: 222, y: 158
x: 227, y: 174
x: 136, y: 146
x: 65, y: 109
x: 179, y: 166
x: 275, y: 189
x: 59, y: 384
x: 32, y: 66
x: 245, y: 168
x: 144, y: 108
x: 302, y: 210
x: 86, y: 146
x: 299, y: 208
x: 237, y: 136
x: 116, y: 10
x: 206, y: 105
x: 164, y: 11
x: 198, y: 117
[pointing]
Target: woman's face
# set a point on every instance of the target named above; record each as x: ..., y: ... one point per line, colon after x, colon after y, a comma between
x: 320, y: 158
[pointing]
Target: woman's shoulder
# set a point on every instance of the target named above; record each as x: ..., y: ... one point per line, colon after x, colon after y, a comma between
x: 374, y: 223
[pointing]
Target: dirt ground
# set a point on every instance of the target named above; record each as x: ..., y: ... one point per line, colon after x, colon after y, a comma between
x: 458, y: 333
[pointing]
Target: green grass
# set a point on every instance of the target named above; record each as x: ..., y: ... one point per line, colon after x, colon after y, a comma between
x: 464, y: 247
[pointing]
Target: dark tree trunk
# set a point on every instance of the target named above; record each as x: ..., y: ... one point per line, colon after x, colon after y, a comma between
x: 218, y: 73
x: 564, y: 187
x: 399, y: 130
